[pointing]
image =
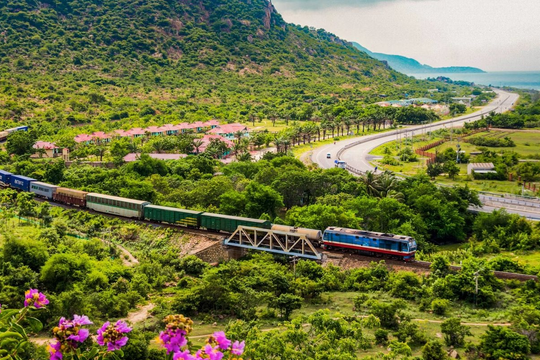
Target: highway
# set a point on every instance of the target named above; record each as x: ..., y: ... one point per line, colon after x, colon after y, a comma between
x: 355, y: 152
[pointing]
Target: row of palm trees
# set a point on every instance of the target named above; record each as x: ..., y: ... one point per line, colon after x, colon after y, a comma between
x: 327, y: 127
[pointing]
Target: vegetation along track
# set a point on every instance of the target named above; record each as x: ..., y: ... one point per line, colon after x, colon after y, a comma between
x: 415, y: 265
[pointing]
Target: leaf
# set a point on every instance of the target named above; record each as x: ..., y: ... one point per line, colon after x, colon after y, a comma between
x: 19, y: 329
x: 11, y: 334
x: 35, y: 324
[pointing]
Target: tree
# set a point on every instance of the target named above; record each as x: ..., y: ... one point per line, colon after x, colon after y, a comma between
x: 451, y: 168
x: 499, y: 342
x: 262, y: 199
x: 286, y: 303
x: 434, y: 169
x: 454, y: 332
x: 20, y: 143
x: 433, y: 350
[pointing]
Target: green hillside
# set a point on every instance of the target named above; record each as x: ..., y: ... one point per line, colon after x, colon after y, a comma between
x: 155, y: 61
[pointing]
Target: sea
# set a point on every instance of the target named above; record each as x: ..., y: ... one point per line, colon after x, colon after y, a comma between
x: 517, y: 79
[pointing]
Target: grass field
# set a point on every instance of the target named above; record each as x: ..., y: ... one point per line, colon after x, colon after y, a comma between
x: 527, y: 143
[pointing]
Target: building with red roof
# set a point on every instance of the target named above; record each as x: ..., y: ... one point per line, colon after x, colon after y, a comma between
x: 46, y: 149
x: 229, y: 131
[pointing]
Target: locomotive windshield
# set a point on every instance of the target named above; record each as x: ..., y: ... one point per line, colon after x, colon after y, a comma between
x: 412, y: 245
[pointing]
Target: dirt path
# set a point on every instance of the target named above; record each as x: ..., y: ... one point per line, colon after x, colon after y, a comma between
x: 140, y: 315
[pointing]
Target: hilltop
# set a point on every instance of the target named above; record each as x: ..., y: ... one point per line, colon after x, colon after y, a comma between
x: 89, y: 61
x: 411, y: 66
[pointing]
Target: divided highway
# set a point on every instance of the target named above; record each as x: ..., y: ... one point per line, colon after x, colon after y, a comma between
x: 356, y: 152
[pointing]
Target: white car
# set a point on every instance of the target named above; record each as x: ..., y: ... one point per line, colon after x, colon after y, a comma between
x: 328, y: 156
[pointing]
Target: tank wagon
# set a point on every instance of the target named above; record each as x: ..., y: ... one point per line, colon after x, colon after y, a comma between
x: 370, y: 243
x: 311, y: 234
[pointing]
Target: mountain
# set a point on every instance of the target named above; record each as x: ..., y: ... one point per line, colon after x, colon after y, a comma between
x: 109, y: 62
x: 411, y: 66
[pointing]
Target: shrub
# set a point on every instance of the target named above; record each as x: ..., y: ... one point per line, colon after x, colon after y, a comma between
x: 440, y: 306
x: 381, y: 337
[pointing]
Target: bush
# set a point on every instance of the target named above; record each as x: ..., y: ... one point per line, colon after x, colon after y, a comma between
x: 433, y: 350
x: 454, y: 332
x: 440, y: 306
x: 381, y: 337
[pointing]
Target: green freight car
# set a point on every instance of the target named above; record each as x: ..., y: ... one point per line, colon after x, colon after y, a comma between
x: 229, y: 224
x: 171, y: 215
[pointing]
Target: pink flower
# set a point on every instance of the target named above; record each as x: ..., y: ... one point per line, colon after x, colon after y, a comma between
x: 113, y: 335
x: 34, y: 298
x: 238, y: 348
x: 81, y: 320
x: 172, y: 340
x: 184, y: 355
x: 222, y: 340
x: 54, y: 351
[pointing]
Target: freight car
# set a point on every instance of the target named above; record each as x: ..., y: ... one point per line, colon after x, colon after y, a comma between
x: 116, y: 205
x: 370, y: 243
x: 20, y: 182
x: 227, y: 223
x: 171, y: 215
x: 44, y: 190
x: 5, y: 177
x: 70, y: 197
x: 311, y: 234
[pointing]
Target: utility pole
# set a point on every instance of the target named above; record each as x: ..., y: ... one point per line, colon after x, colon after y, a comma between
x: 476, y: 275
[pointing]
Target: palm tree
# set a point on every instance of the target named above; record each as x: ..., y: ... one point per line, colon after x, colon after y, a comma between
x: 238, y: 135
x: 387, y: 184
x: 370, y: 179
x: 197, y: 143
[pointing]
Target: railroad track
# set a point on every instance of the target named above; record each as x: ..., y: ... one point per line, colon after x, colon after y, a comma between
x: 218, y: 236
x: 421, y: 265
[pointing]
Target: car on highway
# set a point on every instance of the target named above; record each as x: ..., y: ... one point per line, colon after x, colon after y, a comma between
x: 328, y: 156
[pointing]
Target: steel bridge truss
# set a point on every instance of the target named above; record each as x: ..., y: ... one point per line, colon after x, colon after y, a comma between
x: 279, y: 242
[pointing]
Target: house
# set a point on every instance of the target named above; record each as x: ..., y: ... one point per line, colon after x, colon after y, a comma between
x: 229, y: 131
x: 84, y: 139
x: 211, y: 124
x: 154, y: 130
x: 206, y: 139
x: 169, y: 129
x: 480, y: 168
x: 120, y: 133
x: 46, y: 149
x: 137, y: 132
x: 100, y: 136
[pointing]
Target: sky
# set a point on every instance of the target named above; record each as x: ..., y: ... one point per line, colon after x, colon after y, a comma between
x: 494, y: 35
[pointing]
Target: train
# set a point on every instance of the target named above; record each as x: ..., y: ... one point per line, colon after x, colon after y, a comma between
x: 370, y: 243
x: 4, y: 134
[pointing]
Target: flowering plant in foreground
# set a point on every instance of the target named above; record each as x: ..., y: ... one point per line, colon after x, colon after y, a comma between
x: 70, y: 337
x: 174, y: 340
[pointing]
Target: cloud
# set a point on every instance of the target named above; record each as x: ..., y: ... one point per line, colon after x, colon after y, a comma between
x: 325, y: 4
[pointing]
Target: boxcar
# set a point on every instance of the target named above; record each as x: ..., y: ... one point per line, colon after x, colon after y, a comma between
x: 20, y: 182
x: 172, y: 215
x: 5, y: 177
x: 70, y: 196
x: 230, y: 223
x: 43, y: 189
x: 401, y: 246
x: 116, y: 205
